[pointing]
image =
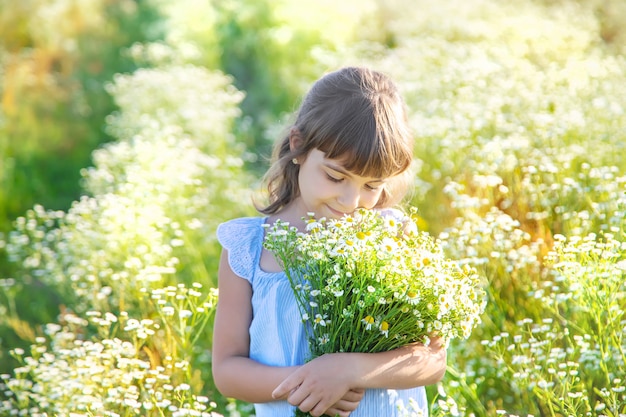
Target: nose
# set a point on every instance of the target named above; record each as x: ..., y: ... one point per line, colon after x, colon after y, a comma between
x: 349, y: 199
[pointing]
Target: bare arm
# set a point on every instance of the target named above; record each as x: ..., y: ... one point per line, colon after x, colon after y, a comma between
x: 235, y: 374
x: 311, y: 389
x: 407, y: 367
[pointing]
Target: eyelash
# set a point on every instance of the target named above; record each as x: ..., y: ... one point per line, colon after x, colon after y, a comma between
x: 338, y: 180
x: 333, y: 179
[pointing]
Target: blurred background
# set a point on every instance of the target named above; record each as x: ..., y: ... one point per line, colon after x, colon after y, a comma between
x: 57, y: 57
x: 130, y: 128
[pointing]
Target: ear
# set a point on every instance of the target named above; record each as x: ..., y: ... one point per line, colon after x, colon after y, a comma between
x: 295, y: 139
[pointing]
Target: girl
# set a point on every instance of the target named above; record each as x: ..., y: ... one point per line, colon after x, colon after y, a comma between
x: 349, y: 147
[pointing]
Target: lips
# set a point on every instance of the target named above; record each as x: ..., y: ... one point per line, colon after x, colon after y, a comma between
x: 335, y: 213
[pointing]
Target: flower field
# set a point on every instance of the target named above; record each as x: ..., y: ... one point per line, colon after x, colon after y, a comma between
x: 519, y: 115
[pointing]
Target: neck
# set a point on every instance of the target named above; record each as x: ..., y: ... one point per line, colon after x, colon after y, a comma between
x: 292, y: 213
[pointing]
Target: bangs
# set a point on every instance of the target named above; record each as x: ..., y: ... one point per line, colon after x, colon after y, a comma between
x: 366, y: 145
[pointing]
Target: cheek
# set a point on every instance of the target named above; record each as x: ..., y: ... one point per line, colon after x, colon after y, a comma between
x: 304, y: 178
x: 370, y: 199
x: 311, y: 184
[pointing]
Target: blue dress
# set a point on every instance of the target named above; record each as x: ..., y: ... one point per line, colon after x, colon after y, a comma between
x: 277, y: 336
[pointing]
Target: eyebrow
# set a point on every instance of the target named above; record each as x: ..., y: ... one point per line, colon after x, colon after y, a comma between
x: 343, y: 171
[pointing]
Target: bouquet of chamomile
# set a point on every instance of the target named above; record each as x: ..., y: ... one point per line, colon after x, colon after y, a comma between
x: 370, y: 282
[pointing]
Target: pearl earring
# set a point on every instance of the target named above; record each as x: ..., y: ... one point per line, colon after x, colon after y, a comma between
x: 295, y: 161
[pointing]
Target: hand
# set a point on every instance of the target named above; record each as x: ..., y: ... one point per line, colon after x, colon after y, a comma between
x: 323, y: 385
x: 347, y: 404
x: 436, y: 342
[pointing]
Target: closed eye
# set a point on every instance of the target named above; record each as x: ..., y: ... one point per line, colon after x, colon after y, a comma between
x: 333, y: 179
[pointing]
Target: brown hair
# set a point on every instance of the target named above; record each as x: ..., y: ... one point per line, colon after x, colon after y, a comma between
x: 354, y: 114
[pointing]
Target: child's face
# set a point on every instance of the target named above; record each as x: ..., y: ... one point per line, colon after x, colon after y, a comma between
x: 329, y: 190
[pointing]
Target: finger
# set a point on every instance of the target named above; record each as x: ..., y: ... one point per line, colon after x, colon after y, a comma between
x: 334, y: 412
x: 346, y: 405
x: 354, y: 395
x: 318, y: 410
x: 308, y: 405
x: 301, y: 397
x: 436, y: 342
x: 285, y: 388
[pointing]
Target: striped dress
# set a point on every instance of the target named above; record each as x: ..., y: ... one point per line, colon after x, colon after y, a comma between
x: 277, y: 336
